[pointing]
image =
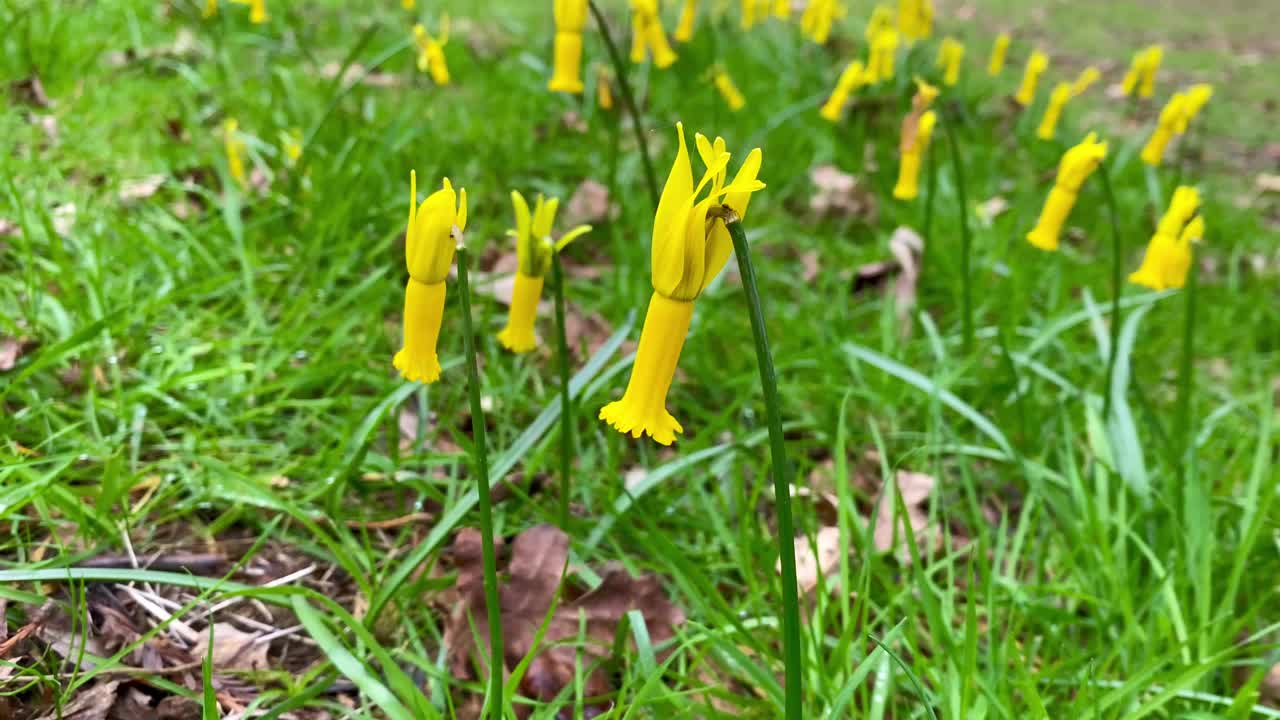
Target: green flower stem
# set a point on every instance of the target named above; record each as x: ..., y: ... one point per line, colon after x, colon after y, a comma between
x: 566, y: 406
x: 624, y: 89
x: 1117, y: 283
x: 485, y: 505
x: 792, y: 657
x: 966, y: 242
x: 1186, y: 372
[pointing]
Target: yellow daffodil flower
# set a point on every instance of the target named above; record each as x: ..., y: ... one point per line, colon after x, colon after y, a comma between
x: 728, y: 91
x: 409, y: 4
x: 431, y: 51
x: 915, y: 19
x: 210, y: 8
x: 234, y: 146
x: 571, y: 19
x: 1076, y: 166
x: 688, y: 15
x: 908, y: 186
x: 604, y: 91
x: 429, y: 243
x: 880, y: 62
x: 291, y: 143
x: 1197, y: 96
x: 950, y: 55
x: 999, y: 51
x: 851, y: 79
x: 1142, y: 72
x: 690, y: 247
x: 648, y: 35
x: 1084, y: 80
x: 257, y: 10
x: 1171, y: 119
x: 1168, y: 256
x: 533, y: 256
x: 881, y: 20
x: 1057, y: 100
x: 1036, y: 65
x: 782, y: 9
x: 818, y: 17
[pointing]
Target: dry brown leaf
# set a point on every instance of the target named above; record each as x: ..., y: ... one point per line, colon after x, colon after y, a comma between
x: 91, y: 704
x: 9, y: 228
x: 233, y: 649
x: 915, y: 489
x: 535, y: 572
x: 838, y: 193
x: 140, y: 188
x: 572, y: 120
x: 811, y: 564
x: 588, y: 204
x: 587, y: 330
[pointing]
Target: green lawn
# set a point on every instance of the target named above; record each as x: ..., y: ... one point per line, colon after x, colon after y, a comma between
x: 207, y: 370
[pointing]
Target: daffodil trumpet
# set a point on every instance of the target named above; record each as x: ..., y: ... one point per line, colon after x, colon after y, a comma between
x: 915, y: 19
x: 1168, y: 258
x: 434, y: 229
x: 571, y: 18
x: 690, y: 246
x: 1171, y: 119
x: 999, y: 51
x: 1076, y: 166
x: 431, y: 52
x: 1036, y: 65
x: 1084, y: 80
x: 534, y: 250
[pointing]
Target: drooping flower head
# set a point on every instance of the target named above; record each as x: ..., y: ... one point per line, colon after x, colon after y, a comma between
x: 571, y: 19
x: 999, y: 51
x: 429, y: 246
x: 1197, y: 96
x: 818, y: 17
x: 908, y: 186
x: 1168, y: 257
x: 1077, y: 164
x: 534, y: 248
x: 690, y: 246
x: 1172, y: 118
x: 1142, y: 72
x: 915, y: 19
x: 1036, y: 65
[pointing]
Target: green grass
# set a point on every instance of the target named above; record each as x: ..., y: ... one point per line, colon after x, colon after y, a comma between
x: 1086, y: 568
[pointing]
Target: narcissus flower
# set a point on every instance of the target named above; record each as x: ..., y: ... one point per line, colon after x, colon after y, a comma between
x: 950, y: 55
x: 1057, y: 100
x: 851, y: 79
x: 724, y: 85
x: 880, y: 62
x: 999, y: 51
x: 1168, y: 256
x: 571, y: 18
x: 429, y: 243
x: 431, y: 51
x: 257, y: 10
x: 1197, y: 96
x: 1172, y: 117
x: 648, y: 35
x: 1142, y: 72
x: 234, y: 147
x: 690, y: 247
x: 748, y: 14
x: 915, y: 19
x: 881, y: 20
x: 1087, y: 77
x: 604, y: 91
x: 1036, y: 65
x: 533, y: 256
x: 818, y: 17
x: 688, y: 15
x: 1076, y: 166
x: 908, y: 186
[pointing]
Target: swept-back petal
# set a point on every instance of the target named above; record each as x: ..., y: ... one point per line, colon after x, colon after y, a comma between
x: 738, y: 193
x: 668, y: 221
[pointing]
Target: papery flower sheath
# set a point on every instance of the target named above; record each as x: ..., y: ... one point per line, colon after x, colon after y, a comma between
x: 728, y: 90
x: 950, y: 56
x: 1077, y: 164
x: 999, y: 51
x: 533, y: 257
x: 850, y: 80
x: 690, y: 247
x: 688, y: 16
x: 1036, y: 65
x: 571, y: 18
x: 1057, y: 100
x: 429, y: 245
x: 431, y: 52
x: 1172, y: 118
x: 1168, y: 256
x: 1085, y: 79
x: 234, y: 147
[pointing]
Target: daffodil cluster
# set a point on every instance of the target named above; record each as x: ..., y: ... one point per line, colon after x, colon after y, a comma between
x: 648, y: 35
x: 690, y: 246
x: 1168, y: 256
x: 429, y: 244
x: 571, y: 20
x: 1142, y: 72
x: 534, y: 248
x: 1077, y: 164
